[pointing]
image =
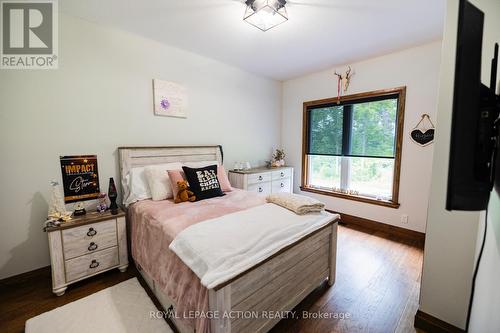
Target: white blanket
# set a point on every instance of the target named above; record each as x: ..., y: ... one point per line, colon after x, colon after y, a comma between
x: 299, y: 204
x: 217, y: 250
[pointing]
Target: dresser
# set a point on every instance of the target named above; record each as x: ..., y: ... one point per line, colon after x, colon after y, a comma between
x: 263, y: 180
x: 86, y: 246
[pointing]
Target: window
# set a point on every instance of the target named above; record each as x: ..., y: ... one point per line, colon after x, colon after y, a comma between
x: 352, y: 149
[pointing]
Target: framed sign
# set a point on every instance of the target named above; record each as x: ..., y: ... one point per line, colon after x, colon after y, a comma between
x: 80, y: 178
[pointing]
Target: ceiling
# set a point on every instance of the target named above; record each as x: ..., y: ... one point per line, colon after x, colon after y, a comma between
x: 318, y: 35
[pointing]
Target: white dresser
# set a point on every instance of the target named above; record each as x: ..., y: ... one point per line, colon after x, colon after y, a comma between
x: 263, y: 180
x: 86, y: 246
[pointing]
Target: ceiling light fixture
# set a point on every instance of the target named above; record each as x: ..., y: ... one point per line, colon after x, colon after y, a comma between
x: 265, y: 14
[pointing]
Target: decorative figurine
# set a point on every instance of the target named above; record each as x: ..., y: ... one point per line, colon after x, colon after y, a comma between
x: 113, y: 195
x: 50, y: 224
x: 57, y: 210
x: 238, y: 166
x: 102, y: 204
x: 79, y: 209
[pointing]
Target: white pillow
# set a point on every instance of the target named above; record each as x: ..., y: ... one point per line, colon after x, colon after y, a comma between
x: 158, y: 180
x: 137, y: 185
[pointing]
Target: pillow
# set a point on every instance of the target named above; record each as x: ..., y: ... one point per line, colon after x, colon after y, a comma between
x: 175, y: 176
x: 221, y: 173
x: 158, y: 181
x: 203, y: 182
x: 137, y: 185
x: 225, y: 185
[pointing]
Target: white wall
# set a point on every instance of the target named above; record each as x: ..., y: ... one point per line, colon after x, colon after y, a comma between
x: 451, y: 238
x: 101, y: 98
x: 418, y: 69
x: 484, y: 317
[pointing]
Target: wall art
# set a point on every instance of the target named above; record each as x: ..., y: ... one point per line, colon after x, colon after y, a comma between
x: 423, y: 133
x: 170, y: 99
x: 80, y: 178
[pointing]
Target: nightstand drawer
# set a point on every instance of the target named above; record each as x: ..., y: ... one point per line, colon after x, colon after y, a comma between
x: 90, y: 264
x: 258, y: 178
x: 264, y: 188
x: 89, y: 238
x: 281, y: 174
x: 282, y: 185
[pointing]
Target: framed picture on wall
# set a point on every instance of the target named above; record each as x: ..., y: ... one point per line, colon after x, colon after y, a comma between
x: 80, y: 178
x: 170, y: 99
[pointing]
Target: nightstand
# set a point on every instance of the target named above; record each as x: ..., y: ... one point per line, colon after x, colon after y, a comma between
x: 263, y: 180
x: 86, y: 246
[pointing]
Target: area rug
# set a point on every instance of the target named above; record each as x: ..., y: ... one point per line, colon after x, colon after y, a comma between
x: 122, y: 308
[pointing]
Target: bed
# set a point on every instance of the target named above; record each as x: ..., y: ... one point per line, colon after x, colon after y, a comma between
x: 276, y: 284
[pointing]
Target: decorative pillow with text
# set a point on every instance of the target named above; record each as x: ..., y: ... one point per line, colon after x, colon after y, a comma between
x: 203, y: 182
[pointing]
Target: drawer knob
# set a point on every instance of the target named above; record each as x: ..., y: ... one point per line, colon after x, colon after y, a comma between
x: 94, y: 264
x: 260, y: 178
x: 92, y: 232
x: 92, y: 247
x: 282, y: 174
x: 260, y: 190
x: 282, y: 185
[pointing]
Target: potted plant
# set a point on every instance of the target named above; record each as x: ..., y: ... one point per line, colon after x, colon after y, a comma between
x: 278, y: 158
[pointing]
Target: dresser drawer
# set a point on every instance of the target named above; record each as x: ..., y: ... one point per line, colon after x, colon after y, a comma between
x: 91, y: 263
x: 282, y: 185
x: 281, y: 174
x: 89, y: 238
x: 263, y: 188
x: 257, y: 178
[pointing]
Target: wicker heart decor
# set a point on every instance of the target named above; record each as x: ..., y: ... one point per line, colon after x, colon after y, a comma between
x: 422, y: 138
x: 423, y: 134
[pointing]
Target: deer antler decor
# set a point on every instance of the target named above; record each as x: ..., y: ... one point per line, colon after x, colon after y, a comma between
x: 339, y: 85
x: 343, y: 82
x: 347, y: 79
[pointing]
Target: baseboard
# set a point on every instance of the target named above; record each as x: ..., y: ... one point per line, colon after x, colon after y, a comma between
x: 26, y: 276
x: 431, y: 324
x: 419, y: 237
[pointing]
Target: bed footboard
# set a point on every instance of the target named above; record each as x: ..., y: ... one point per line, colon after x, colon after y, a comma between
x: 247, y: 302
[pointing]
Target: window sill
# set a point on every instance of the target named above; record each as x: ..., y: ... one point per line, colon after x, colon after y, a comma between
x: 389, y: 204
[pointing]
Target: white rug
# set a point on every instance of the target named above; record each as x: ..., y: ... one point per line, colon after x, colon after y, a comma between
x: 122, y: 308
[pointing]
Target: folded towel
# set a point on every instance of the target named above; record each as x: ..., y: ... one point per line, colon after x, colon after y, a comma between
x: 298, y: 204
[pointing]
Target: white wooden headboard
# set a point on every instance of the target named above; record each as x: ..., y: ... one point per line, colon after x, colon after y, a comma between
x: 133, y: 157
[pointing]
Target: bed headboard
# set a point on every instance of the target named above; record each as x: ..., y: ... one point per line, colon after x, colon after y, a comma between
x: 133, y: 157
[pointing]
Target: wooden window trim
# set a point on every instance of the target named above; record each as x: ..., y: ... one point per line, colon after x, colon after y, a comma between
x: 394, y: 203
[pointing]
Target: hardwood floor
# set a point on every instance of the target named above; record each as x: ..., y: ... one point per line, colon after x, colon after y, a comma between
x: 377, y: 287
x: 31, y: 294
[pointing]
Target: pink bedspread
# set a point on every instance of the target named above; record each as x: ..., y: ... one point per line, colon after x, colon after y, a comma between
x: 154, y: 225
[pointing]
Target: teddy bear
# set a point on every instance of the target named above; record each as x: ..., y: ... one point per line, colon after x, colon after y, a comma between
x: 184, y: 194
